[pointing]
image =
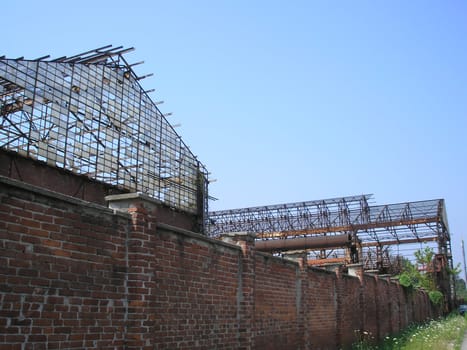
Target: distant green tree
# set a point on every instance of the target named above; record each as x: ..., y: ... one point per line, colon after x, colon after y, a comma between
x: 461, y: 291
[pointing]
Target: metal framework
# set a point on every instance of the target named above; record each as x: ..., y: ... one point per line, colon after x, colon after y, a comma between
x: 88, y: 113
x: 374, y: 228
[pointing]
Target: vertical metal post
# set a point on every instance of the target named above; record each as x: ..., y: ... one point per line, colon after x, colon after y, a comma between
x: 463, y: 256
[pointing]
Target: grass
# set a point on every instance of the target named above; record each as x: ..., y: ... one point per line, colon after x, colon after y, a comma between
x: 446, y: 333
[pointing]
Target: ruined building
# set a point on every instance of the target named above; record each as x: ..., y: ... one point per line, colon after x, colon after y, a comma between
x: 106, y: 241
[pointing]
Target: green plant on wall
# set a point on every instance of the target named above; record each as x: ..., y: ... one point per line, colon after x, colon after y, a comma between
x: 419, y: 275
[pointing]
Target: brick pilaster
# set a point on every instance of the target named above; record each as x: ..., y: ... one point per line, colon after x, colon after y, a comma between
x: 246, y: 290
x: 140, y: 253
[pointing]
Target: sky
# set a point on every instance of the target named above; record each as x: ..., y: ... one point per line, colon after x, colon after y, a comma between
x: 290, y: 101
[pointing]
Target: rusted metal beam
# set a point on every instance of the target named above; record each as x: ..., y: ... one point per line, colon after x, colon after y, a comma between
x: 338, y: 241
x: 366, y: 244
x: 401, y: 241
x: 347, y: 228
x: 317, y: 262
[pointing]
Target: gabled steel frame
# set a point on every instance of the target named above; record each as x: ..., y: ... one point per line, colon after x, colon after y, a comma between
x: 88, y: 113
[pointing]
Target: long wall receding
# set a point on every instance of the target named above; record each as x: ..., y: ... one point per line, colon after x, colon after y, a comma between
x: 78, y: 275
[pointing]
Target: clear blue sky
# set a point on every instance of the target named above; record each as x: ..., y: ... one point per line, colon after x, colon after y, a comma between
x: 290, y: 101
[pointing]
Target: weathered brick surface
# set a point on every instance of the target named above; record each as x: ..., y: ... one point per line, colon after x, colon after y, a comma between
x: 38, y: 173
x: 277, y: 290
x: 350, y: 312
x: 195, y: 297
x: 62, y: 279
x: 383, y: 302
x: 394, y: 292
x: 74, y: 275
x: 322, y: 306
x: 370, y: 321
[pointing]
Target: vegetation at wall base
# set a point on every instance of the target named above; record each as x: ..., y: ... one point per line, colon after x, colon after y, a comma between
x: 446, y: 333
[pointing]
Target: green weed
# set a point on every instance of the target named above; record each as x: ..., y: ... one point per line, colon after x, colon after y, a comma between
x: 446, y: 333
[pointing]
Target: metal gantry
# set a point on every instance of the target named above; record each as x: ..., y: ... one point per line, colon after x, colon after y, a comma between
x: 89, y: 114
x: 373, y: 229
x: 292, y: 219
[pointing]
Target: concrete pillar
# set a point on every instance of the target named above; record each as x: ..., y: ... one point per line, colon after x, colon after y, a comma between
x: 123, y: 202
x: 336, y: 268
x: 300, y: 258
x: 156, y: 209
x: 356, y: 270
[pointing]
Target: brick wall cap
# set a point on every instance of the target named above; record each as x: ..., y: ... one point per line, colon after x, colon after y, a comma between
x: 195, y: 235
x: 278, y: 259
x: 128, y: 200
x: 238, y: 236
x: 355, y: 265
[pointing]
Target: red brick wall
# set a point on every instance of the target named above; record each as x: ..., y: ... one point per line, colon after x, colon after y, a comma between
x: 194, y: 297
x: 350, y: 312
x: 322, y: 306
x: 383, y: 302
x: 393, y: 295
x: 38, y: 173
x: 404, y: 308
x: 370, y: 320
x: 75, y: 275
x: 276, y: 313
x: 62, y: 273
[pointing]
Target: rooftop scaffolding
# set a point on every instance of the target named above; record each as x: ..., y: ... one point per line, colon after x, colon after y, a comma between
x: 373, y: 228
x: 88, y: 114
